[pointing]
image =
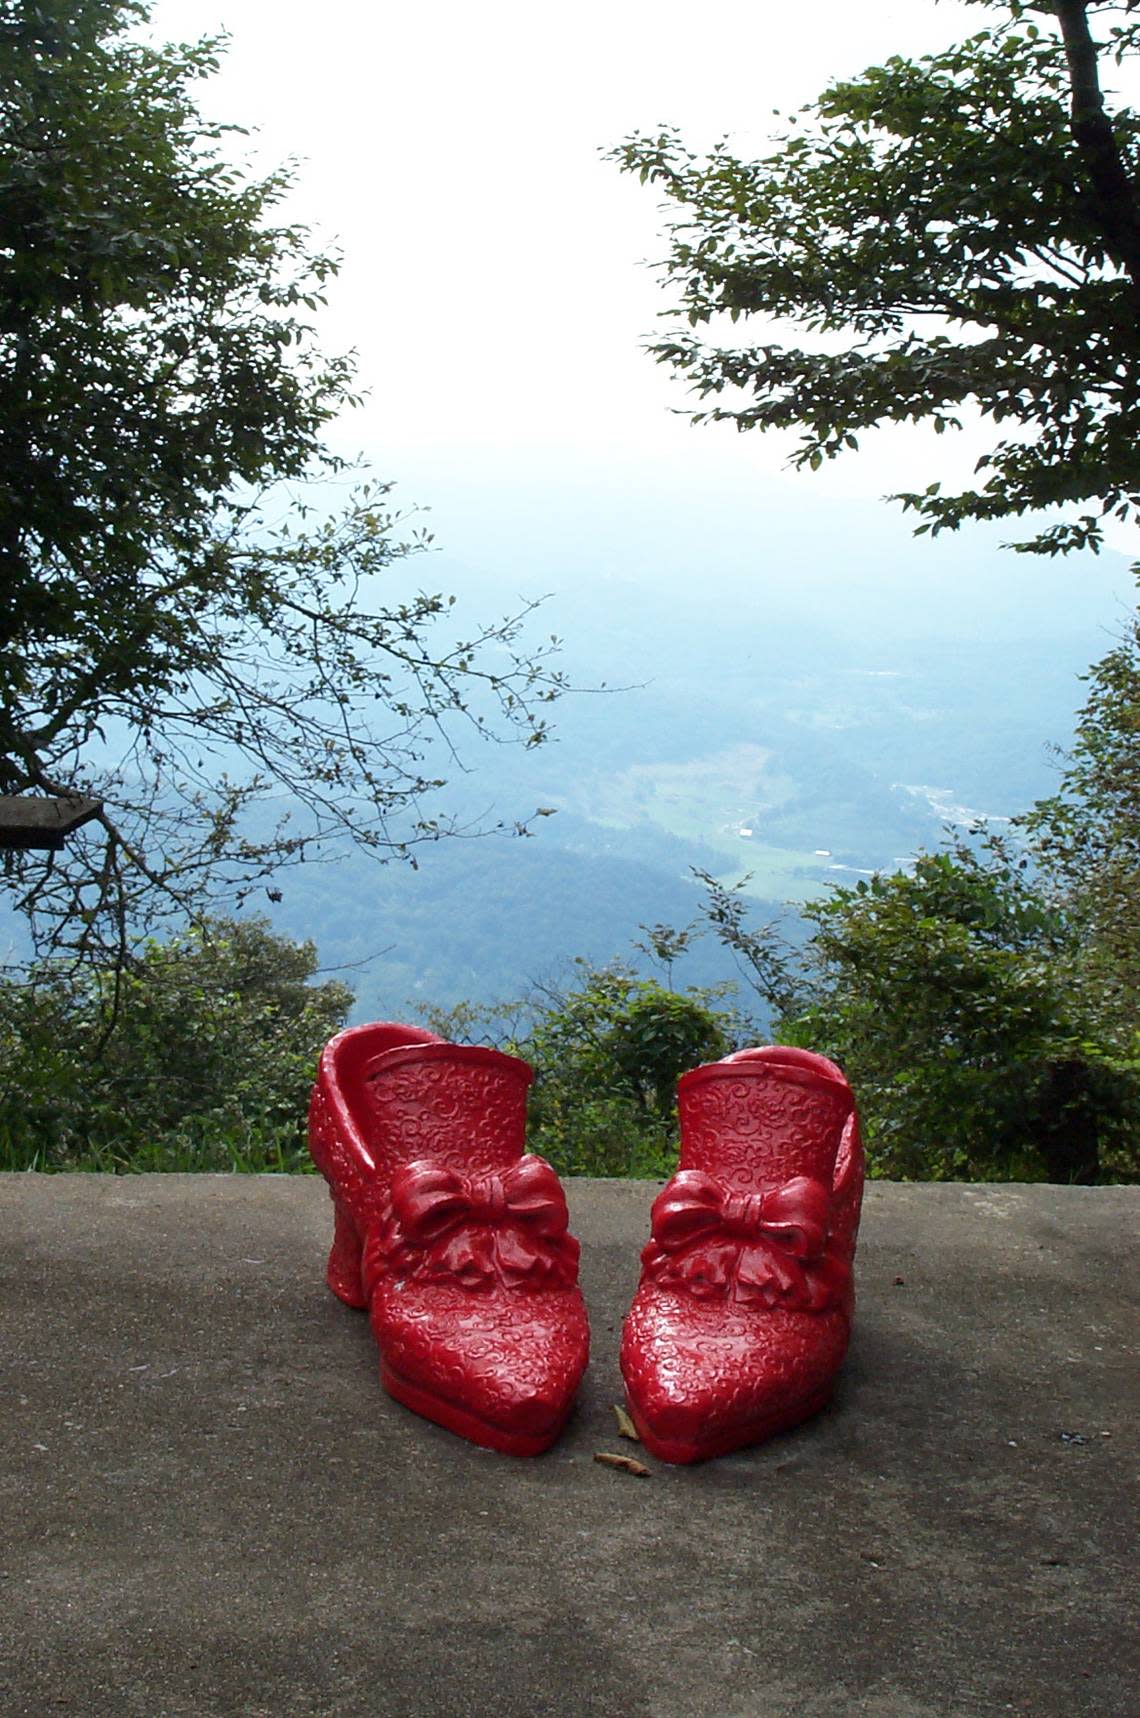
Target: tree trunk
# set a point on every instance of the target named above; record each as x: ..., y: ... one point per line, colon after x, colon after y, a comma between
x: 1067, y: 1133
x: 1113, y: 194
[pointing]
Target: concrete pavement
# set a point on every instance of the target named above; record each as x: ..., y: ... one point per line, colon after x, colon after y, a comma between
x: 210, y: 1508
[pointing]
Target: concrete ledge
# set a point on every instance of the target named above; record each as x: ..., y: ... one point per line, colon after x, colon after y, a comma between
x: 210, y: 1507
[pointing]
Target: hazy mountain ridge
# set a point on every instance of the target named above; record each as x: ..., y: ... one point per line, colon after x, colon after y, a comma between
x: 833, y: 781
x: 816, y: 679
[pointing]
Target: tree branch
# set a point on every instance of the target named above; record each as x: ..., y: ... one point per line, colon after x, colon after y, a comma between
x: 1113, y: 194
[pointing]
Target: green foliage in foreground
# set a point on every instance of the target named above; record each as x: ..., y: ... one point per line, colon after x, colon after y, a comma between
x: 199, y: 1058
x: 202, y: 1059
x: 607, y: 1053
x: 948, y: 996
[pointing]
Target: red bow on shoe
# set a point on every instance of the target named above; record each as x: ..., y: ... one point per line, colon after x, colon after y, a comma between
x: 507, y: 1226
x: 756, y: 1246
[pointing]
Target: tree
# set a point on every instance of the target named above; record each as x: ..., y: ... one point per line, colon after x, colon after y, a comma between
x: 1086, y: 839
x: 217, y: 1032
x: 607, y: 1052
x: 767, y: 961
x: 968, y: 226
x: 945, y: 993
x: 985, y: 1032
x: 617, y: 1032
x: 180, y: 634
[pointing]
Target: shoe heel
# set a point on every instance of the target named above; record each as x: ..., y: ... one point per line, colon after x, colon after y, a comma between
x: 344, y: 1275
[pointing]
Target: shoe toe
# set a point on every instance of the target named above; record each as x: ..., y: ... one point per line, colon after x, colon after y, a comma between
x: 708, y: 1376
x: 500, y: 1363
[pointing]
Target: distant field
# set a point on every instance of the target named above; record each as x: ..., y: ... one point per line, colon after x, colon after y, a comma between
x: 721, y: 802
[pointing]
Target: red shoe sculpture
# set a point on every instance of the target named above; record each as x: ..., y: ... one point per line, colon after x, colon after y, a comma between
x: 744, y: 1308
x: 455, y: 1241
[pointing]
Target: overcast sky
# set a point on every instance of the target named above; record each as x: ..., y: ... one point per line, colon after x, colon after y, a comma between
x: 493, y: 281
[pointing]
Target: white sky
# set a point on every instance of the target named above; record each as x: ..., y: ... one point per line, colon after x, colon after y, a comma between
x: 491, y: 283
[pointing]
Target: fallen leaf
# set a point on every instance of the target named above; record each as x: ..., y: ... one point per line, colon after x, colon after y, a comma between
x: 628, y: 1464
x: 626, y: 1427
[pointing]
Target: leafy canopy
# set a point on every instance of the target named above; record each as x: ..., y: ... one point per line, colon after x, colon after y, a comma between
x: 1086, y: 839
x: 216, y: 1033
x: 945, y: 992
x: 179, y: 634
x: 961, y: 231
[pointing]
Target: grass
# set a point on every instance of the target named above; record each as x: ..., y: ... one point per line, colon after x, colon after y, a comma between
x: 604, y: 1141
x: 244, y: 1151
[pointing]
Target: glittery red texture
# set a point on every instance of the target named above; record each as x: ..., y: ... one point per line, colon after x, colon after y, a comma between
x: 743, y: 1313
x: 456, y: 1242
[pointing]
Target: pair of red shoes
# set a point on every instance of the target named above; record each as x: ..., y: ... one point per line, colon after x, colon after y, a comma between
x: 459, y: 1244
